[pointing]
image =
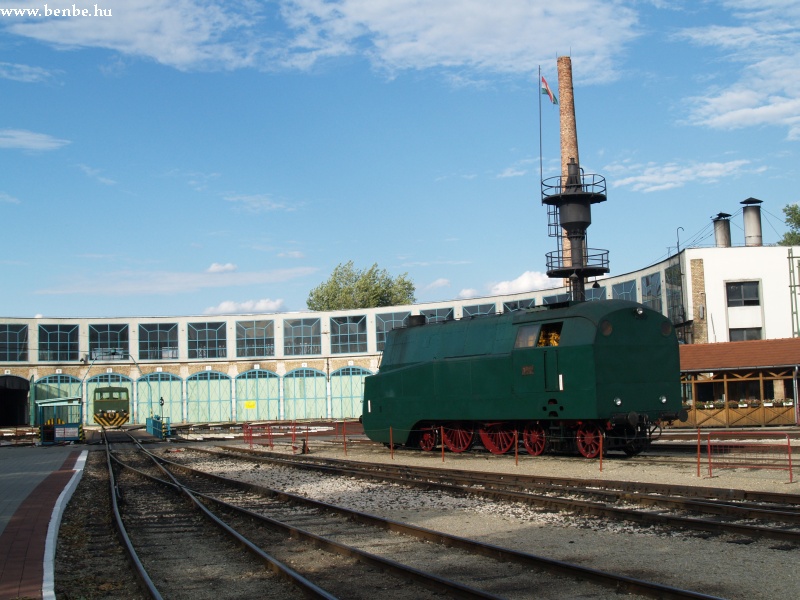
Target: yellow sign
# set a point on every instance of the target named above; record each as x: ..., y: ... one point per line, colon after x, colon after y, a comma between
x: 250, y: 404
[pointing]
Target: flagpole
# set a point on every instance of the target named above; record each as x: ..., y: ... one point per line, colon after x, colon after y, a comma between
x: 541, y: 171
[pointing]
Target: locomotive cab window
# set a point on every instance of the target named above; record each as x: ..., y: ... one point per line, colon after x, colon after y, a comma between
x: 527, y: 336
x: 550, y: 334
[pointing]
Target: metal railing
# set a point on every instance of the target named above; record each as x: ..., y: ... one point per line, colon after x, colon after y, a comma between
x: 590, y: 183
x: 745, y: 450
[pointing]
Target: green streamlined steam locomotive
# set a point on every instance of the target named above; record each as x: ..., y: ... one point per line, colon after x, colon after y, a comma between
x: 579, y: 376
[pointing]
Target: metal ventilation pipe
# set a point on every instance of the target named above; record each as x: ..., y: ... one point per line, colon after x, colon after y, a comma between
x: 722, y: 230
x: 752, y: 222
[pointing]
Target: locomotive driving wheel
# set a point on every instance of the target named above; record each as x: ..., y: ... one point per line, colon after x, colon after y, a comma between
x: 428, y: 438
x: 589, y: 440
x: 533, y: 438
x: 458, y: 437
x: 497, y: 438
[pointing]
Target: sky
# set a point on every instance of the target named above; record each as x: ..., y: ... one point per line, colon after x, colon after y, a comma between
x: 190, y: 157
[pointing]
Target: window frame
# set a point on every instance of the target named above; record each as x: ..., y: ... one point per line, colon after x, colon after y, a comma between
x: 255, y: 338
x: 741, y: 298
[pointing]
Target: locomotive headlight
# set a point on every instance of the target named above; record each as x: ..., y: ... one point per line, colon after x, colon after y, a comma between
x: 618, y: 401
x: 663, y: 399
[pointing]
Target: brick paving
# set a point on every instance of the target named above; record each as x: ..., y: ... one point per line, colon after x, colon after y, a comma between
x: 31, y: 480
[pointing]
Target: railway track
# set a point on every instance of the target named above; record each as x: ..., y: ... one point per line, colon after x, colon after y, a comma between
x: 713, y: 510
x: 179, y: 554
x: 360, y: 548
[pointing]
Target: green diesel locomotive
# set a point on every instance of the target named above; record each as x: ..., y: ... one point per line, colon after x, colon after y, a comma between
x: 580, y: 376
x: 111, y: 406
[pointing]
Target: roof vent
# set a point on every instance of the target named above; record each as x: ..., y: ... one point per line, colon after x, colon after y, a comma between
x: 752, y: 222
x: 722, y: 230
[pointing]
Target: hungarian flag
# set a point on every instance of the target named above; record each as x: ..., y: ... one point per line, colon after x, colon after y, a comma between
x: 547, y: 91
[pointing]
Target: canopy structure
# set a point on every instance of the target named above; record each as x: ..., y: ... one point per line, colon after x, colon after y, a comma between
x: 61, y: 420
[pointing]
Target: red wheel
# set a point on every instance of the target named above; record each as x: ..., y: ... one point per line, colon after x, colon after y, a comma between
x: 428, y: 439
x: 534, y: 439
x: 497, y: 438
x: 589, y: 438
x: 458, y: 437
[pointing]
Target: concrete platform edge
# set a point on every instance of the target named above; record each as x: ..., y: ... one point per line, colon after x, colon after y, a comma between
x: 48, y: 579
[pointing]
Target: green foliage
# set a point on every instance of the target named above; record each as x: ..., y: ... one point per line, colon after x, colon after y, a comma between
x: 348, y: 287
x: 791, y: 237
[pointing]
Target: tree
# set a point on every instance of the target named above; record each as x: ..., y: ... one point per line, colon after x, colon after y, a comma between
x: 791, y: 237
x: 348, y: 287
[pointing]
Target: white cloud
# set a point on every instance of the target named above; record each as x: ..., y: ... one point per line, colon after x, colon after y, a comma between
x: 96, y: 175
x: 431, y: 263
x: 508, y: 37
x: 256, y: 203
x: 464, y: 37
x: 511, y: 172
x: 529, y: 281
x: 439, y: 283
x: 29, y: 140
x: 767, y: 89
x: 228, y: 307
x: 185, y: 34
x: 141, y: 283
x: 24, y: 73
x: 219, y: 268
x: 468, y: 293
x: 291, y: 254
x: 653, y: 177
x: 8, y: 199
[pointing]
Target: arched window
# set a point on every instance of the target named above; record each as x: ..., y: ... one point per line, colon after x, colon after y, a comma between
x: 57, y: 386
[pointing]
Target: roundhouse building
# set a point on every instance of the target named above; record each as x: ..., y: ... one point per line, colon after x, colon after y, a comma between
x: 310, y: 365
